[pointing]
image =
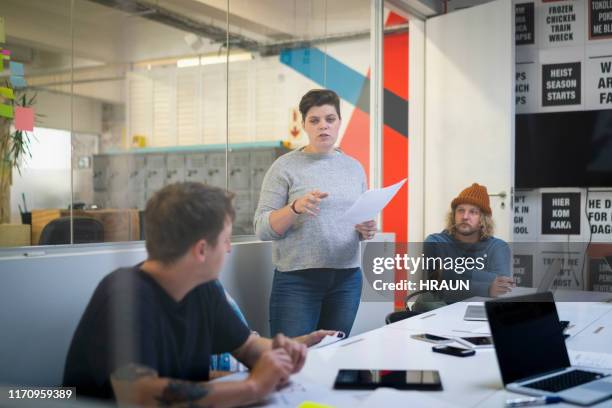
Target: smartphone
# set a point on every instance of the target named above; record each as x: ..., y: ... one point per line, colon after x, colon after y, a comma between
x: 453, y: 351
x: 432, y: 338
x: 476, y: 342
x: 427, y: 380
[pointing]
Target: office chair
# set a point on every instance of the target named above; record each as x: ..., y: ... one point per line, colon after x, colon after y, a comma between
x: 86, y: 230
x: 425, y: 302
x: 404, y: 314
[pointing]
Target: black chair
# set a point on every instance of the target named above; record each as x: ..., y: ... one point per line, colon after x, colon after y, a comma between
x: 86, y: 230
x: 408, y: 312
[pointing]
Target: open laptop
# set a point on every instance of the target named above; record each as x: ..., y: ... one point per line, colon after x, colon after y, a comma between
x: 532, y: 355
x: 477, y: 312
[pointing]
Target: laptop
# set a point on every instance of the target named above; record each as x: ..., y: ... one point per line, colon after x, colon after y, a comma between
x: 531, y: 352
x: 477, y: 312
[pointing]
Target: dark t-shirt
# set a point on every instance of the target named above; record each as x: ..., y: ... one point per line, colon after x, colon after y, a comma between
x: 131, y: 319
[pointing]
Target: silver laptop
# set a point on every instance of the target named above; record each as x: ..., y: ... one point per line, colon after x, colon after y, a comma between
x: 477, y: 312
x: 531, y: 352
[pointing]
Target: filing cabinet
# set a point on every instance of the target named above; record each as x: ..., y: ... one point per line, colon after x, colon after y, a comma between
x: 175, y: 165
x: 195, y: 167
x: 128, y: 180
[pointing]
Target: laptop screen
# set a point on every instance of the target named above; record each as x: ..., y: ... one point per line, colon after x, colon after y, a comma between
x: 527, y: 335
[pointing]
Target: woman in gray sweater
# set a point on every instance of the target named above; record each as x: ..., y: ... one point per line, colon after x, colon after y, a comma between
x: 317, y: 280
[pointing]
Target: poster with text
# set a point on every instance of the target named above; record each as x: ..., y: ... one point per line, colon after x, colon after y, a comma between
x: 599, y: 215
x: 524, y: 23
x: 600, y: 19
x: 561, y: 84
x: 562, y: 23
x: 525, y: 217
x: 598, y: 82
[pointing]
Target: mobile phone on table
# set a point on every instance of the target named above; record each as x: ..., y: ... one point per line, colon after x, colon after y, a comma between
x: 432, y: 338
x: 426, y: 380
x: 453, y: 351
x: 476, y: 342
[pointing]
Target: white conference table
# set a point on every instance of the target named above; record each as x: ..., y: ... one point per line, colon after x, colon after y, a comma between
x: 469, y: 381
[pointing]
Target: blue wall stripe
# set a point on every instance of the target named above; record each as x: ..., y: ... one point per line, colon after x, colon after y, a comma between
x: 345, y: 81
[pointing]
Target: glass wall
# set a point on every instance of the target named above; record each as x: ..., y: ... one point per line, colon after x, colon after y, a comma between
x: 135, y: 95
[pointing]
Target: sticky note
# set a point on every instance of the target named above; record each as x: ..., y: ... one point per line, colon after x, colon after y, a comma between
x: 16, y: 68
x: 2, y: 36
x: 18, y: 82
x: 1, y: 64
x: 6, y: 52
x: 24, y: 118
x: 7, y: 93
x: 6, y: 111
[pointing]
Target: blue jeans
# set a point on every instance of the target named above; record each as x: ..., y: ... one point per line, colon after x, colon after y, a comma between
x: 310, y: 299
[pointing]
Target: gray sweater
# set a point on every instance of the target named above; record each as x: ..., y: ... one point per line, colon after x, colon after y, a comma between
x: 323, y: 241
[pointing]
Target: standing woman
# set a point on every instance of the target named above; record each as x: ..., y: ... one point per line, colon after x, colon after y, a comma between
x: 317, y: 280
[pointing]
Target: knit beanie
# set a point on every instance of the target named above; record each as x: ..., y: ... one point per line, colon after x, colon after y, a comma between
x: 476, y: 195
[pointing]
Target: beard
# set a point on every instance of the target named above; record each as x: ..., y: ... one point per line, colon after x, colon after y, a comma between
x: 465, y: 229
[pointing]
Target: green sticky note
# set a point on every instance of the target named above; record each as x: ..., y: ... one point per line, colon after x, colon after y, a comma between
x: 2, y: 36
x: 1, y: 64
x: 7, y: 93
x: 6, y: 111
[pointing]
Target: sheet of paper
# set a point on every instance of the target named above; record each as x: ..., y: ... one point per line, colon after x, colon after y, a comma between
x: 2, y: 34
x: 6, y: 111
x: 590, y: 359
x: 388, y: 397
x: 24, y: 118
x: 370, y: 203
x: 326, y: 341
x: 18, y: 82
x: 7, y: 93
x: 299, y: 391
x: 16, y: 68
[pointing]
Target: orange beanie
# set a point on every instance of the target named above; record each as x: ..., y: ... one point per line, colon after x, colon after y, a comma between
x: 476, y: 195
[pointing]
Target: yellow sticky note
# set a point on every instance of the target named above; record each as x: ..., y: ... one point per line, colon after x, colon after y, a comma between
x: 6, y: 111
x: 312, y: 404
x: 7, y: 93
x: 2, y: 36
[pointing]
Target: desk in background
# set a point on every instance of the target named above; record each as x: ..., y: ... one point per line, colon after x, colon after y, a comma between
x: 119, y: 224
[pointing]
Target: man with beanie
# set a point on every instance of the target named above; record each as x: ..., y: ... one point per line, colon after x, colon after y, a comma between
x: 479, y: 258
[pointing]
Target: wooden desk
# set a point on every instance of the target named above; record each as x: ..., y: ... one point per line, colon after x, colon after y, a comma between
x: 119, y: 224
x: 12, y: 235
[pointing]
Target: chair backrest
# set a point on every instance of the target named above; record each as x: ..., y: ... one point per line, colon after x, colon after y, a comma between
x: 86, y: 230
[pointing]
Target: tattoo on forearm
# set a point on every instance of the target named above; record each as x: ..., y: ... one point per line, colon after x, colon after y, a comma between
x: 182, y: 392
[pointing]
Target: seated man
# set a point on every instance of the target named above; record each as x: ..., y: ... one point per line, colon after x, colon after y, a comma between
x: 148, y: 331
x: 469, y: 235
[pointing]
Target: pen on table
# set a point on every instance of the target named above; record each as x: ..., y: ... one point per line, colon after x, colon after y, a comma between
x: 533, y: 401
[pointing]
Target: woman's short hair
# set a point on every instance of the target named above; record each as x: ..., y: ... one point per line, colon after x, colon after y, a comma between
x: 487, y: 226
x: 319, y: 97
x: 181, y: 214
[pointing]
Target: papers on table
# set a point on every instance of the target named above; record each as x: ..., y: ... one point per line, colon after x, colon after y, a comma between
x: 326, y: 341
x: 370, y: 203
x: 388, y: 397
x: 590, y: 359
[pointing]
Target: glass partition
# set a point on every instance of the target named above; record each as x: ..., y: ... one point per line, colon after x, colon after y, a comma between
x: 134, y: 95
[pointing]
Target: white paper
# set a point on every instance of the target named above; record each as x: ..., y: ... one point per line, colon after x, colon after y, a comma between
x: 326, y: 341
x: 591, y: 359
x: 370, y: 203
x: 299, y: 391
x: 387, y: 397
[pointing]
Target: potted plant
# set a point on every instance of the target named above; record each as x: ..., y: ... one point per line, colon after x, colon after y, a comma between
x: 14, y: 147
